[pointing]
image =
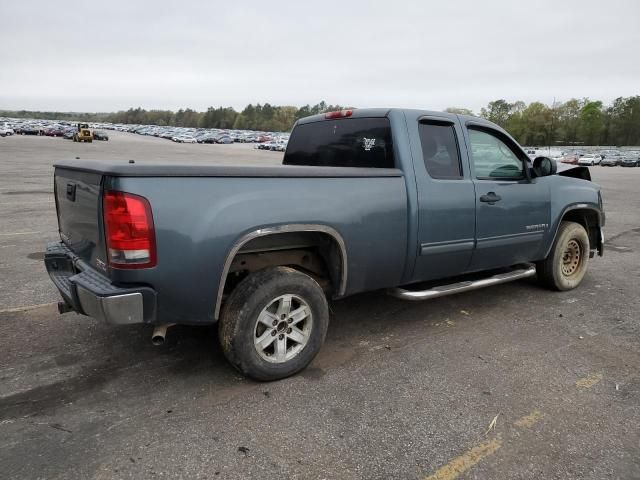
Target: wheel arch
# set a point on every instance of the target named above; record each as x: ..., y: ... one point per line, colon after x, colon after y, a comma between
x: 590, y: 217
x: 281, y: 230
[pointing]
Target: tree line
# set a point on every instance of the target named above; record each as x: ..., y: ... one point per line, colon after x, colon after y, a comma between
x: 269, y: 118
x: 574, y: 122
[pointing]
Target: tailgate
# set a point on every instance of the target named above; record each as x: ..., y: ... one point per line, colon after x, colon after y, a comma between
x: 78, y: 203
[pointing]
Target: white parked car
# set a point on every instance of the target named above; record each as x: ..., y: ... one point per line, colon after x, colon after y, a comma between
x: 6, y: 130
x: 590, y: 159
x: 184, y: 139
x: 534, y: 153
x: 281, y: 146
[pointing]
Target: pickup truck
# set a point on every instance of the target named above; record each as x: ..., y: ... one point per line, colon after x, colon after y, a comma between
x: 416, y: 203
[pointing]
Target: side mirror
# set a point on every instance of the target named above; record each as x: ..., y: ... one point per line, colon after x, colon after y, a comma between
x: 544, y: 166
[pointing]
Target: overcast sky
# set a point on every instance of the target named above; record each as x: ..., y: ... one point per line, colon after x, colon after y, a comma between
x: 106, y: 56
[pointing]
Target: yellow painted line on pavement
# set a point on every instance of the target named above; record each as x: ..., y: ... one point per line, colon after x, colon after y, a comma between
x: 589, y: 381
x: 530, y: 420
x: 464, y: 462
x: 27, y: 308
x: 17, y: 233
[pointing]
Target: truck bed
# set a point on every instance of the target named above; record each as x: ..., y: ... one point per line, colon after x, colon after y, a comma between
x: 156, y: 169
x: 201, y: 211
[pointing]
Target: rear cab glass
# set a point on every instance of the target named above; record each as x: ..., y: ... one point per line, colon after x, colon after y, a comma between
x: 345, y: 142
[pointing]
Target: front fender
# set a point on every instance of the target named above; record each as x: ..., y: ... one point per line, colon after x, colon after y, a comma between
x: 592, y: 211
x: 569, y: 197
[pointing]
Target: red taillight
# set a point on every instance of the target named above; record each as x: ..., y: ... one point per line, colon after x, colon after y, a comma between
x: 338, y: 114
x: 128, y: 223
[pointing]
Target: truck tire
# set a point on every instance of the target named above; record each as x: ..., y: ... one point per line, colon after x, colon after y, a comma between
x: 273, y: 323
x: 567, y: 262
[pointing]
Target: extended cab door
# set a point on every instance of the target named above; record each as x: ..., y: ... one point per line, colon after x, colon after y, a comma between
x: 446, y: 198
x: 512, y: 210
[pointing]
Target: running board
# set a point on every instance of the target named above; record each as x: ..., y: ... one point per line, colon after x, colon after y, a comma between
x: 442, y: 290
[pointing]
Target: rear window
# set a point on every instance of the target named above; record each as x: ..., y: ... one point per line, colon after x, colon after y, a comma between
x: 347, y: 142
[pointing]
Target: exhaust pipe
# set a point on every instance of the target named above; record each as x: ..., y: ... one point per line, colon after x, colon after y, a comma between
x: 159, y: 334
x: 64, y: 307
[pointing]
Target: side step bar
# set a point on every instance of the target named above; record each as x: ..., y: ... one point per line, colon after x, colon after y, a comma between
x: 441, y: 291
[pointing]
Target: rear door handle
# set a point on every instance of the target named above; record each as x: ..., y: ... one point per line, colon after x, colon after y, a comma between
x: 490, y: 198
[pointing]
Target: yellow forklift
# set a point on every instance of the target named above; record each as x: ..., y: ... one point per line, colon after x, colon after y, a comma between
x: 84, y: 133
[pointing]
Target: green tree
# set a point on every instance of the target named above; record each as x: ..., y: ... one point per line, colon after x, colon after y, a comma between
x: 624, y: 121
x: 569, y: 120
x: 497, y: 112
x: 591, y: 123
x: 537, y: 123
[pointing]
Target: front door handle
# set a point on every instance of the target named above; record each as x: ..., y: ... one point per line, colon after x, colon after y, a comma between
x: 490, y: 198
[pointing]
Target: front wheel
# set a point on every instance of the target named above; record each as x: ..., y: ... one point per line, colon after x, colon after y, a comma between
x: 274, y: 323
x: 566, y: 265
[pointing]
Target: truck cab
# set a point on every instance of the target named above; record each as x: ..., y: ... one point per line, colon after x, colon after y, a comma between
x: 475, y: 200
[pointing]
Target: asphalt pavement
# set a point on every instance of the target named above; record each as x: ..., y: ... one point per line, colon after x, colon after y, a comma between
x: 512, y: 382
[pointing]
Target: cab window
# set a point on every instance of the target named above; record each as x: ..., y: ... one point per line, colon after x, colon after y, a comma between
x: 492, y: 157
x: 349, y: 142
x: 440, y: 150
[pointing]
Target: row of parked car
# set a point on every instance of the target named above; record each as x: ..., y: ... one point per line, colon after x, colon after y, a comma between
x: 274, y: 141
x: 263, y: 140
x: 65, y: 130
x: 604, y: 158
x: 607, y: 158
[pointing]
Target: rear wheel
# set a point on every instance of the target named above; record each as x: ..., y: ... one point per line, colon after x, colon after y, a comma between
x: 567, y: 262
x: 274, y: 323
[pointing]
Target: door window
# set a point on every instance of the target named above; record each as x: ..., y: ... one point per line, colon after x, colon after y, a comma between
x: 492, y: 157
x: 440, y: 150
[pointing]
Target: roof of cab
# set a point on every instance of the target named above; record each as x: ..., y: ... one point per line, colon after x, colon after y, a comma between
x: 356, y: 113
x: 410, y: 113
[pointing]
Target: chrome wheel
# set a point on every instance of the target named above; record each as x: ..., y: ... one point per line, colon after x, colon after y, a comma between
x: 571, y: 258
x: 283, y: 328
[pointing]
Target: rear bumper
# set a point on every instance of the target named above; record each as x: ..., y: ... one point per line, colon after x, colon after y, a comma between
x: 90, y: 293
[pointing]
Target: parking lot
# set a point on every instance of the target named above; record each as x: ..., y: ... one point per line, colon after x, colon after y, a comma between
x: 509, y: 382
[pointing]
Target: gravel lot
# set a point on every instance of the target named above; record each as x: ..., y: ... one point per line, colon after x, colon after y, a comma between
x: 400, y: 390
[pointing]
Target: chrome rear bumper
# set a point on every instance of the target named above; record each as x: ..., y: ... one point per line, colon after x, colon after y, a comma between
x: 88, y: 292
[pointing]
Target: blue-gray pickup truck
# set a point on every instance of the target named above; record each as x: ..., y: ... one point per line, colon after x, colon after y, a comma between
x: 418, y: 204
